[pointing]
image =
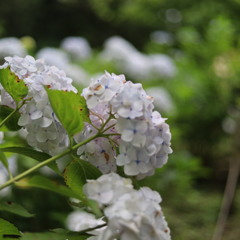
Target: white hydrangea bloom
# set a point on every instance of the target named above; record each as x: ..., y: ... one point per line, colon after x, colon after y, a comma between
x: 131, y: 102
x: 126, y: 57
x: 100, y: 153
x: 136, y: 64
x: 143, y: 136
x: 60, y: 59
x: 107, y: 188
x: 23, y: 67
x: 54, y: 57
x: 11, y: 46
x: 77, y: 74
x: 135, y: 160
x: 162, y: 99
x: 42, y: 129
x: 133, y: 131
x: 117, y: 48
x: 161, y: 66
x: 77, y: 47
x: 131, y: 214
x: 135, y: 216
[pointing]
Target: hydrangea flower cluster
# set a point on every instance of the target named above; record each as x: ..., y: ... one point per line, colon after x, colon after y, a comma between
x: 11, y: 46
x: 77, y: 47
x: 131, y: 214
x: 136, y: 64
x: 141, y: 134
x: 41, y: 127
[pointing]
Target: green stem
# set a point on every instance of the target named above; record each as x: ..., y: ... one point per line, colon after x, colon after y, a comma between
x: 110, y: 134
x: 103, y: 126
x: 44, y: 163
x: 109, y: 127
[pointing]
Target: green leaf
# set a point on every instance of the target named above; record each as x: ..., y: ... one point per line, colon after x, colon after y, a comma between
x: 15, y: 209
x: 70, y: 108
x: 39, y: 156
x: 76, y: 175
x: 13, y: 85
x: 12, y: 123
x: 54, y: 235
x: 7, y: 228
x: 77, y: 172
x: 44, y: 183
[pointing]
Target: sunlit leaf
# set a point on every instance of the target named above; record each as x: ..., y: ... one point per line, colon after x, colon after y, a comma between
x: 70, y: 108
x: 14, y: 208
x: 13, y: 85
x: 12, y: 123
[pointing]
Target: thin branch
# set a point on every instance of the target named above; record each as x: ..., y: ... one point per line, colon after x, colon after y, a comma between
x: 230, y: 188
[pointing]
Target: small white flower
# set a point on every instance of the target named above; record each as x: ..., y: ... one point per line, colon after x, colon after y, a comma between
x: 129, y: 102
x: 132, y: 131
x: 133, y: 159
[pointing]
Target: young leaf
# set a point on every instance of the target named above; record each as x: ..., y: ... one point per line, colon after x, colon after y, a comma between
x: 44, y: 183
x: 70, y: 108
x: 39, y: 156
x: 77, y: 172
x: 12, y: 123
x: 15, y: 209
x: 13, y: 85
x: 7, y: 228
